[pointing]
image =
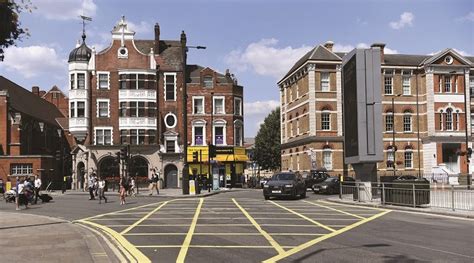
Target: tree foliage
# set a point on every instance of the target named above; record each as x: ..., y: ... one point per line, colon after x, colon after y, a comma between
x: 267, y: 142
x: 11, y: 29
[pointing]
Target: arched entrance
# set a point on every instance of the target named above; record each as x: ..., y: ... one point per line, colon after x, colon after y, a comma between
x: 108, y: 168
x: 80, y: 172
x: 139, y: 167
x: 171, y: 176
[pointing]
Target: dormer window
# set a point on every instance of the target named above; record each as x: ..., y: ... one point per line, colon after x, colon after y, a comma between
x: 208, y: 82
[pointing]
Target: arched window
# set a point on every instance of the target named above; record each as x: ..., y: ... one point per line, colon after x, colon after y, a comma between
x: 219, y: 132
x: 199, y: 132
x: 327, y: 158
x: 407, y: 122
x: 389, y: 121
x: 449, y: 119
x: 441, y: 120
x: 408, y: 157
x: 326, y: 121
x: 297, y: 124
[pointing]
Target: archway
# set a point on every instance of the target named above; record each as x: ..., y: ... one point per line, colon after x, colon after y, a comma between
x: 139, y: 167
x: 108, y: 168
x: 80, y: 171
x: 171, y: 176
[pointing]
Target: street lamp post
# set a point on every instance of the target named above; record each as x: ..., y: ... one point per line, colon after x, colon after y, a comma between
x: 184, y: 50
x: 394, y: 147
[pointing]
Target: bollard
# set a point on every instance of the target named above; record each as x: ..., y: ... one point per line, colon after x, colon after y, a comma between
x: 383, y: 194
x: 414, y: 196
x: 340, y: 190
x: 358, y: 192
x: 452, y: 196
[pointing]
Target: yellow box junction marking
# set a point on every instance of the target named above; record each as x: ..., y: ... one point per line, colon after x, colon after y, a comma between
x: 305, y: 217
x: 189, y: 236
x: 143, y: 218
x: 272, y: 241
x: 334, y: 209
x: 322, y: 238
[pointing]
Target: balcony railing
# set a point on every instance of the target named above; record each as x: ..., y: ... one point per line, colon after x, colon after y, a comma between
x: 136, y: 122
x: 133, y: 94
x: 78, y: 123
x: 77, y: 94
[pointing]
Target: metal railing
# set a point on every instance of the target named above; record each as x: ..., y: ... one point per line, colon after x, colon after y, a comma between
x: 409, y: 194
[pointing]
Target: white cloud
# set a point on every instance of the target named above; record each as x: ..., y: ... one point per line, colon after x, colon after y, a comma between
x: 34, y: 60
x: 346, y: 48
x: 468, y: 17
x: 406, y: 19
x: 142, y: 28
x: 260, y: 107
x: 65, y: 9
x: 265, y: 58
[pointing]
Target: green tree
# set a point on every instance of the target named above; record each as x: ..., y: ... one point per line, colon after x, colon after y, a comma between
x: 267, y: 142
x: 11, y: 29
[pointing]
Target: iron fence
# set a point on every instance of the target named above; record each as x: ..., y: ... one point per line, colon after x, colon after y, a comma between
x: 409, y: 194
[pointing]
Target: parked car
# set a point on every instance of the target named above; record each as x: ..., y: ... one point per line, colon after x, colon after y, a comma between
x: 285, y: 184
x: 315, y: 177
x: 331, y: 185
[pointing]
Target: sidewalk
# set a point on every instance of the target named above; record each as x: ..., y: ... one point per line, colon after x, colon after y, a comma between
x: 427, y: 210
x: 45, y: 239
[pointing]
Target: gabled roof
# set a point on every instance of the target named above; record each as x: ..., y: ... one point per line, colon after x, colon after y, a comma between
x: 26, y: 102
x: 443, y: 53
x: 54, y: 89
x: 319, y: 52
x: 194, y: 75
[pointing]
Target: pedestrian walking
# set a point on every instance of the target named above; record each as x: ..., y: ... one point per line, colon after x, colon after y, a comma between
x: 123, y: 189
x: 131, y: 191
x: 91, y: 184
x: 96, y: 184
x: 37, y: 187
x: 63, y: 190
x: 2, y: 189
x: 21, y: 194
x: 154, y: 182
x: 28, y: 190
x: 101, y: 186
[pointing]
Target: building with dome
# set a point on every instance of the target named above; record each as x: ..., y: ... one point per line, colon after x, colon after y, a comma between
x: 130, y: 94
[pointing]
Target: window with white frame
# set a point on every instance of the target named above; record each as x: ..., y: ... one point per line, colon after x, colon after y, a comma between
x: 219, y: 105
x: 238, y: 106
x: 103, y: 108
x: 170, y: 146
x: 21, y: 169
x: 449, y: 119
x: 143, y: 80
x: 447, y: 83
x: 80, y: 109
x: 389, y: 122
x: 238, y: 134
x: 198, y: 105
x: 325, y: 81
x: 407, y: 122
x: 406, y: 87
x: 81, y: 80
x: 327, y: 159
x: 471, y: 85
x: 103, y: 136
x: 208, y: 82
x: 472, y: 123
x: 388, y: 82
x: 72, y: 109
x: 390, y: 158
x: 72, y: 81
x: 291, y: 129
x: 219, y: 133
x: 170, y: 120
x: 170, y: 86
x: 325, y: 121
x: 297, y: 125
x: 103, y: 80
x: 198, y: 135
x: 123, y: 109
x: 408, y: 158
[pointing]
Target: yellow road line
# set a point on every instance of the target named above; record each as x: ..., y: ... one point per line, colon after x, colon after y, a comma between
x: 115, y: 212
x: 305, y: 217
x: 187, y: 241
x: 334, y: 209
x: 129, y: 250
x: 355, y: 206
x: 319, y: 239
x: 302, y: 225
x: 208, y: 246
x: 272, y: 241
x: 195, y: 234
x: 143, y: 218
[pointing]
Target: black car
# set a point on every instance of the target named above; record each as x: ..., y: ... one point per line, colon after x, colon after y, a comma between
x: 315, y: 177
x: 331, y: 185
x: 285, y: 184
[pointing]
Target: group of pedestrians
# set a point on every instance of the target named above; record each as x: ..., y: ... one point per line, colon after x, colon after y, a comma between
x: 27, y: 191
x: 97, y: 188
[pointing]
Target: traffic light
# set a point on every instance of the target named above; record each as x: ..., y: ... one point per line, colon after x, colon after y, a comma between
x: 195, y: 157
x: 123, y: 153
x: 212, y: 151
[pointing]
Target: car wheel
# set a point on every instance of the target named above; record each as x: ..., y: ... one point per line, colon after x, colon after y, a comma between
x: 267, y: 197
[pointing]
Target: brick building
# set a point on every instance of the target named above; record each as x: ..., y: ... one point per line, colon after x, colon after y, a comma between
x: 31, y: 139
x: 423, y: 112
x: 131, y: 94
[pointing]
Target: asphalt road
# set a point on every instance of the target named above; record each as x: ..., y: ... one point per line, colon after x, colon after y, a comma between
x: 242, y: 227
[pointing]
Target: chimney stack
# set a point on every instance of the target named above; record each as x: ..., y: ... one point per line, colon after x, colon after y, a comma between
x: 157, y: 39
x: 35, y: 90
x: 329, y: 44
x: 381, y: 46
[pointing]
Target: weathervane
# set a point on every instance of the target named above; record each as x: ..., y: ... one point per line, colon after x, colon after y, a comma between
x: 84, y: 19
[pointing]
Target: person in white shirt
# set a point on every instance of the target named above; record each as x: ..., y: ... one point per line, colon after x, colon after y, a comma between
x: 21, y: 194
x: 101, y: 186
x: 37, y: 187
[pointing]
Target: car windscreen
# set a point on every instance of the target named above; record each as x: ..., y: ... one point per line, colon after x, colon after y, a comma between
x: 331, y: 179
x: 283, y: 177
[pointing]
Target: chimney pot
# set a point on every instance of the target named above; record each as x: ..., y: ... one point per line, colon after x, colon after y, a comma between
x: 329, y: 45
x: 35, y: 90
x: 157, y: 39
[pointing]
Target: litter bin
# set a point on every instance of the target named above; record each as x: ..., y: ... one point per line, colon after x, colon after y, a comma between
x: 408, y: 192
x: 363, y: 191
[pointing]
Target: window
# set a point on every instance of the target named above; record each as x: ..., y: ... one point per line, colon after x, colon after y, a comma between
x: 390, y: 158
x: 151, y: 136
x: 219, y: 136
x: 388, y: 79
x: 325, y: 121
x: 472, y: 123
x: 151, y: 109
x: 123, y: 81
x: 141, y: 109
x: 447, y: 84
x: 133, y: 137
x: 325, y: 81
x: 389, y: 122
x: 55, y: 95
x: 133, y: 108
x: 170, y: 146
x: 471, y: 85
x: 103, y: 136
x: 238, y: 135
x: 407, y: 122
x: 21, y: 169
x: 103, y: 81
x: 170, y: 87
x: 170, y: 120
x: 408, y: 159
x: 238, y: 106
x: 141, y: 136
x: 327, y: 159
x: 123, y: 109
x: 137, y: 81
x: 219, y: 105
x: 198, y: 135
x: 81, y: 80
x: 103, y: 108
x: 208, y: 82
x: 123, y: 137
x: 81, y: 109
x: 198, y: 105
x: 72, y: 80
x: 449, y: 119
x: 297, y: 125
x: 406, y: 85
x: 72, y: 110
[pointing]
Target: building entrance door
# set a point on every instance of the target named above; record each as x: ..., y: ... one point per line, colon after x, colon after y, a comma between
x: 80, y: 171
x: 171, y: 176
x: 450, y: 156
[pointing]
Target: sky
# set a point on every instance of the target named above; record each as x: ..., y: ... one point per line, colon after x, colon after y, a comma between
x: 258, y: 40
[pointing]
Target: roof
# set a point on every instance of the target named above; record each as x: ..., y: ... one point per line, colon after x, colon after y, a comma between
x: 53, y: 89
x: 194, y: 75
x: 170, y: 51
x: 81, y: 53
x: 26, y: 102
